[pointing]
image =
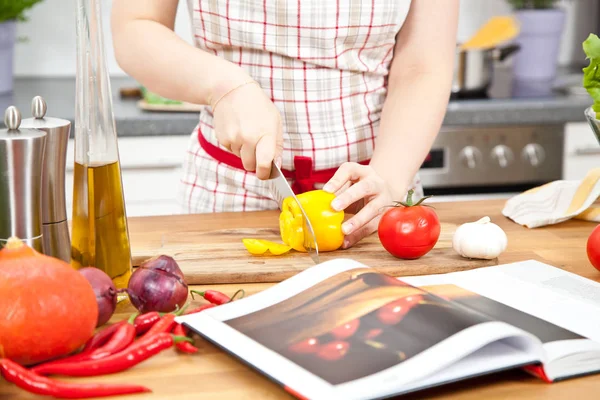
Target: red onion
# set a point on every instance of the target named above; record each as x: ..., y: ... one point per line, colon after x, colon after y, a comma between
x: 105, y: 291
x: 158, y: 285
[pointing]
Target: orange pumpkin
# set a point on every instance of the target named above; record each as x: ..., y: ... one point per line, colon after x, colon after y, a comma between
x: 47, y: 308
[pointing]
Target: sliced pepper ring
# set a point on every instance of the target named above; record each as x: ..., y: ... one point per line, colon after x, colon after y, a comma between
x: 261, y: 246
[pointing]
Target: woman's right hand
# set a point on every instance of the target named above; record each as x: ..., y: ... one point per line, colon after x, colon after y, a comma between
x: 249, y: 125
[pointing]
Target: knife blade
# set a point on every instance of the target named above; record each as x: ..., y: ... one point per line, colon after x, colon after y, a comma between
x: 280, y: 189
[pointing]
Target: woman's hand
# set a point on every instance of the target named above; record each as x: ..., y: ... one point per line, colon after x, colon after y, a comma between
x: 249, y: 125
x: 360, y: 189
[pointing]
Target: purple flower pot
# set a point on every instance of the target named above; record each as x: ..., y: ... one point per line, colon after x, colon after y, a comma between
x: 7, y: 49
x: 539, y: 38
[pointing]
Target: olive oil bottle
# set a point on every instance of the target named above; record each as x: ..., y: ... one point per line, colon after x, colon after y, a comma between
x: 100, y: 237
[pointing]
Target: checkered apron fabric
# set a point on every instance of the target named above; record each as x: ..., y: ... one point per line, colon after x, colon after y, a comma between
x: 323, y: 64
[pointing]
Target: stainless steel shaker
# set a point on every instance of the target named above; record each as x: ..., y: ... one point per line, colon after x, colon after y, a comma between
x: 21, y: 163
x: 55, y: 228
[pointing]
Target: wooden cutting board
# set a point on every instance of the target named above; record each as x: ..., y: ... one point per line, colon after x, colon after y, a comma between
x: 219, y: 256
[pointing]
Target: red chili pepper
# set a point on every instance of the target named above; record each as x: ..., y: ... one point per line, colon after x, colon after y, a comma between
x: 201, y: 308
x: 145, y: 321
x: 185, y: 347
x: 122, y: 338
x: 165, y: 324
x: 139, y: 351
x: 34, y: 383
x: 217, y: 297
x: 101, y: 337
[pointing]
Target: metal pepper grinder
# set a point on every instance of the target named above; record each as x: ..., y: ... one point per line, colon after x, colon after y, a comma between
x: 21, y: 163
x: 55, y: 228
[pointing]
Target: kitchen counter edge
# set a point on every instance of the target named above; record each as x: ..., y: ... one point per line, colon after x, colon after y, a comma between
x: 59, y: 93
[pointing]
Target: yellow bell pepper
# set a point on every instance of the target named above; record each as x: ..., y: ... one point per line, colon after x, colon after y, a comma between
x: 325, y: 221
x: 261, y: 246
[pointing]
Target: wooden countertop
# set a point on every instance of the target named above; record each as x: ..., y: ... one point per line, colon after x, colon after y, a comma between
x: 212, y: 374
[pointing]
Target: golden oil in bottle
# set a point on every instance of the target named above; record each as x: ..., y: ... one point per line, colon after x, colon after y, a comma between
x: 100, y: 236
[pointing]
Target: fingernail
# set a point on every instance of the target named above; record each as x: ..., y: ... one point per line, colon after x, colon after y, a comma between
x: 346, y: 244
x: 278, y: 161
x: 328, y: 187
x: 336, y: 204
x: 347, y: 228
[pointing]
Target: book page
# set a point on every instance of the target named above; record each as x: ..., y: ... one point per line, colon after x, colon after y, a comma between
x: 560, y: 308
x: 342, y: 324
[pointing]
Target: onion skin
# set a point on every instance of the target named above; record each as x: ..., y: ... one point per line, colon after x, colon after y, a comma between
x: 158, y: 285
x: 105, y: 291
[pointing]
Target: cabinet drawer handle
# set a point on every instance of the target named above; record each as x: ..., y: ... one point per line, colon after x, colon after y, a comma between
x: 588, y: 151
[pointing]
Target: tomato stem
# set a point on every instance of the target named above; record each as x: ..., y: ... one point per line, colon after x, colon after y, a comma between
x: 132, y: 318
x: 241, y: 291
x: 409, y: 200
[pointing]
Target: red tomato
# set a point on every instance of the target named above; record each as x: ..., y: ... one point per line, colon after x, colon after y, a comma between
x: 392, y: 313
x: 346, y: 330
x: 306, y: 346
x: 593, y: 247
x: 333, y: 351
x: 409, y: 231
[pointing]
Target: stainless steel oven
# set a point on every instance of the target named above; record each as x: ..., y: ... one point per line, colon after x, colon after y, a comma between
x: 492, y: 161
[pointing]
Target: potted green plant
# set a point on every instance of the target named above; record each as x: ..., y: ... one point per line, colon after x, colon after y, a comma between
x: 541, y: 27
x: 11, y: 12
x: 591, y: 81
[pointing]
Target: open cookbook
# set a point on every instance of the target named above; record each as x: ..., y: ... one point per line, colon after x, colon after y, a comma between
x: 343, y: 330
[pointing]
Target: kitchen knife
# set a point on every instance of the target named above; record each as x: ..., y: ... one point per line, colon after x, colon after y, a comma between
x: 281, y: 190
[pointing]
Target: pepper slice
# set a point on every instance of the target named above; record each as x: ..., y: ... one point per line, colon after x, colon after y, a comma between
x: 325, y: 221
x: 261, y: 246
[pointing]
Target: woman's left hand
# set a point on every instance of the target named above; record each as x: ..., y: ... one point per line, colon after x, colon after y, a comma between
x: 360, y: 189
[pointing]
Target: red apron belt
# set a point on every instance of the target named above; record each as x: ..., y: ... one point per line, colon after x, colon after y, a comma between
x: 303, y: 176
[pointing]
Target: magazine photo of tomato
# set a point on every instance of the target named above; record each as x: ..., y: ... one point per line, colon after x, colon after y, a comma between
x: 354, y: 324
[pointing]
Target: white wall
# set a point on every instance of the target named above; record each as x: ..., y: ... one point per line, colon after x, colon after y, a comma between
x: 51, y: 33
x: 582, y: 18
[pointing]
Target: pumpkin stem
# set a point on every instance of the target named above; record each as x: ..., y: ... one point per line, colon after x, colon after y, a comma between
x: 13, y: 243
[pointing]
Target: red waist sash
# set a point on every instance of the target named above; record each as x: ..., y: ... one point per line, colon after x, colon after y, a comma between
x: 303, y: 176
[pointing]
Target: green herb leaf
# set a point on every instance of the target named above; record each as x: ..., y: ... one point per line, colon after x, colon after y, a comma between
x: 15, y: 9
x: 153, y: 98
x: 591, y: 73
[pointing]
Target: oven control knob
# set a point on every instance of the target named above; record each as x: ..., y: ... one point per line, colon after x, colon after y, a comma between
x: 534, y: 153
x: 503, y: 155
x: 470, y: 157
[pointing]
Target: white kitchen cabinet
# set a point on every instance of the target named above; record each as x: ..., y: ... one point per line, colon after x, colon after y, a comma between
x: 151, y: 170
x: 581, y: 151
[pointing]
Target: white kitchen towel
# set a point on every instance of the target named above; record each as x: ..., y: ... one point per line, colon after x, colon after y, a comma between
x: 556, y: 202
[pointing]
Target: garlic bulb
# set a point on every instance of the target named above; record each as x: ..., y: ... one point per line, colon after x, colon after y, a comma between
x: 481, y: 239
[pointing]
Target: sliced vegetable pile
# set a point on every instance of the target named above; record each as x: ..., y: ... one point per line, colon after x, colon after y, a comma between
x: 407, y: 230
x: 325, y: 221
x: 40, y: 310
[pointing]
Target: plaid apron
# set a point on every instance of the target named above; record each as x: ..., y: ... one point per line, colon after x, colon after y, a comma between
x: 324, y: 65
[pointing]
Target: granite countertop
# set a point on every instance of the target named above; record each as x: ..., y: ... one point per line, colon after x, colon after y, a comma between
x: 538, y: 105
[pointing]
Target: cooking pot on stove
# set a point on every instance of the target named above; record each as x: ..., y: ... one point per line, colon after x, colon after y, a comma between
x: 474, y: 69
